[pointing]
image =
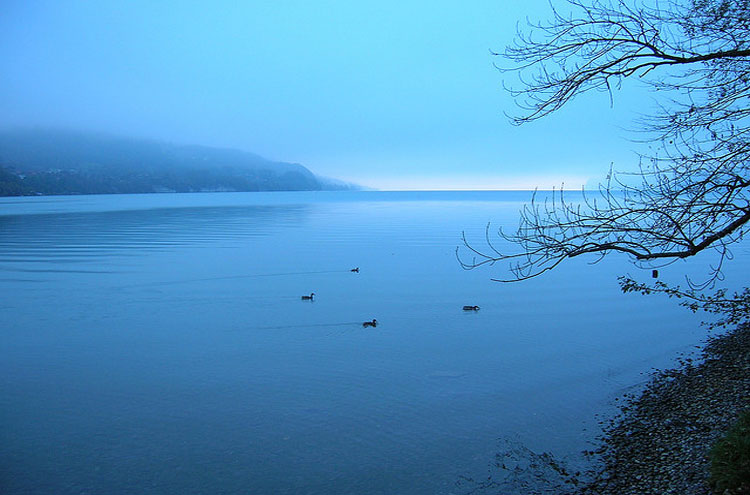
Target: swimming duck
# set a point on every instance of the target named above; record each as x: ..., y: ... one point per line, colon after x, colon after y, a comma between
x: 471, y: 308
x: 308, y: 298
x: 372, y: 323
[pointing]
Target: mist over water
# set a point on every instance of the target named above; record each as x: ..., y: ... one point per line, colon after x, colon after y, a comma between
x: 159, y: 344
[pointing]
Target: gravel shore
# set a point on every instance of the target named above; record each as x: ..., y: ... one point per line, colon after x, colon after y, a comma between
x: 660, y: 443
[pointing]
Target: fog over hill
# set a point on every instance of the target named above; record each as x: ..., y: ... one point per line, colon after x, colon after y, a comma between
x: 34, y: 161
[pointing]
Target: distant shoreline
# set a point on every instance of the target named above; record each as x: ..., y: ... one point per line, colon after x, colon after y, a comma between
x: 527, y: 192
x: 66, y: 162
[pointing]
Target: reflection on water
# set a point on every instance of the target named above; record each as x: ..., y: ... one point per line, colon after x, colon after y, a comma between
x: 159, y: 344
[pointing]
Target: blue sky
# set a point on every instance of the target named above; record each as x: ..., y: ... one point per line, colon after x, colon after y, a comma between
x: 388, y: 94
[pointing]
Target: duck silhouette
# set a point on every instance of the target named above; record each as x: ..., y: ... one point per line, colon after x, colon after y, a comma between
x: 308, y: 298
x: 471, y: 308
x: 372, y: 323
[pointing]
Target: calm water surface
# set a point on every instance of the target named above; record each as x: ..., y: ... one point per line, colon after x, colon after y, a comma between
x: 158, y: 344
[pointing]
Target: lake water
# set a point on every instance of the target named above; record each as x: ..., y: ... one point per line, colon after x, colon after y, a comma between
x: 159, y: 344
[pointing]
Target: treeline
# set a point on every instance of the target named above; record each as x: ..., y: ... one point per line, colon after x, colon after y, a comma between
x: 13, y: 185
x: 65, y: 162
x: 56, y: 181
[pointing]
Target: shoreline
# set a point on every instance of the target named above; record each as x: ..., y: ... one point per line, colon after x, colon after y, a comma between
x: 660, y: 441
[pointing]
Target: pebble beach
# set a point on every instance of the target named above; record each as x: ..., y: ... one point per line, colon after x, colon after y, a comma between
x: 660, y: 442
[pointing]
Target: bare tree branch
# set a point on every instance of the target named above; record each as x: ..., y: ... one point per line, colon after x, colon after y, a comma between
x: 691, y: 192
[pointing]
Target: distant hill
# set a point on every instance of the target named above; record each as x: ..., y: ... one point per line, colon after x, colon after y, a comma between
x: 68, y: 162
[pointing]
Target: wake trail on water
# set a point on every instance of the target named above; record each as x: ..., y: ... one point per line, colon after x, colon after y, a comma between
x: 324, y: 325
x: 346, y: 327
x: 229, y: 277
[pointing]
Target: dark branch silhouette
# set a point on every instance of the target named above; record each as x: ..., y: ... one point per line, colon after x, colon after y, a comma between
x: 691, y: 191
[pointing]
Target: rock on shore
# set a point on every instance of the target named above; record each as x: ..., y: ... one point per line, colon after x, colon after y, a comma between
x: 660, y: 443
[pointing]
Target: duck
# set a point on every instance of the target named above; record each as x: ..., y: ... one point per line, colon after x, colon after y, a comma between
x: 372, y: 323
x: 354, y: 270
x: 471, y: 308
x: 308, y: 298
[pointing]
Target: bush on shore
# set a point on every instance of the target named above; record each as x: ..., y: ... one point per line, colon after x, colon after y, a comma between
x: 730, y: 459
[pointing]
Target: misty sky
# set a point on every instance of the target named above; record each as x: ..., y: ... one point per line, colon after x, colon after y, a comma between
x: 388, y: 94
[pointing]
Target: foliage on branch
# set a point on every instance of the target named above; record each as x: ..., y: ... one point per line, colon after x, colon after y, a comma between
x: 732, y: 310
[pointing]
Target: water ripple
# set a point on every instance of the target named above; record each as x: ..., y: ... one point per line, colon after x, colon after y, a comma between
x: 82, y: 236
